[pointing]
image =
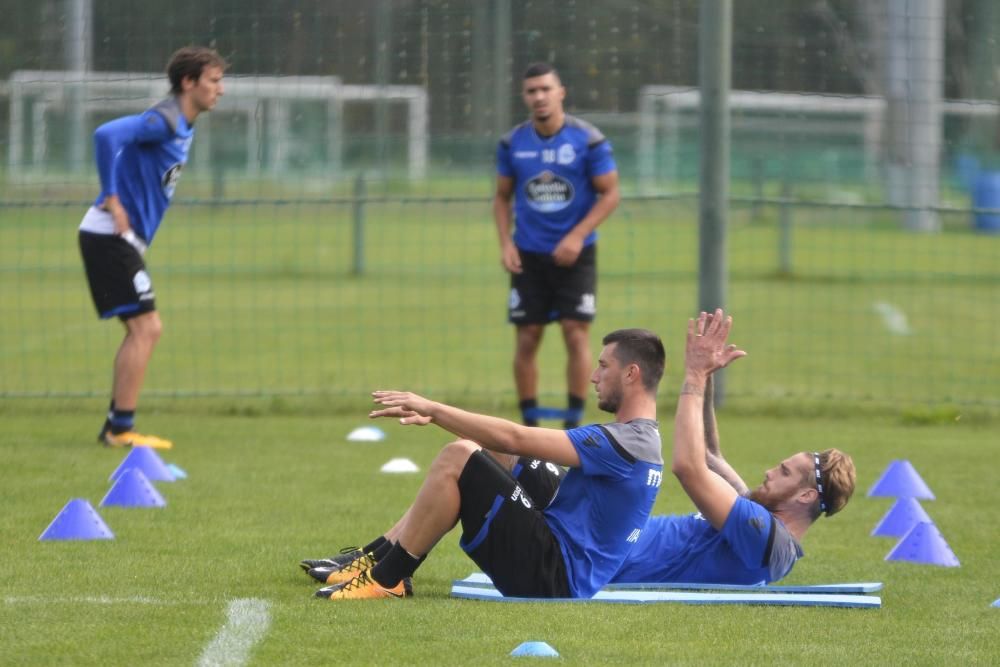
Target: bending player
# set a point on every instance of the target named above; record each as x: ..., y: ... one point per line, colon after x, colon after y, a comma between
x: 569, y: 547
x: 140, y: 159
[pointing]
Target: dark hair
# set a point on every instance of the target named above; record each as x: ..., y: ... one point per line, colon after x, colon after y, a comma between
x: 540, y: 69
x: 189, y: 62
x: 642, y: 348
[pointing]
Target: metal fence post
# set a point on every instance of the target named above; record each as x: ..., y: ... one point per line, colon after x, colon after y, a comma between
x: 359, y: 224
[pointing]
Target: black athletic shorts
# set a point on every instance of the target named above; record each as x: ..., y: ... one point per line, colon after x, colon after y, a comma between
x: 539, y: 479
x: 544, y: 292
x: 117, y: 275
x: 505, y: 533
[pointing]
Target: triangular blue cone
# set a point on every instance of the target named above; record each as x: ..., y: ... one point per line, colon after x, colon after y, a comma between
x: 536, y: 649
x: 146, y: 460
x: 133, y: 489
x: 901, y: 517
x: 924, y: 544
x: 900, y: 480
x: 77, y: 521
x: 996, y: 603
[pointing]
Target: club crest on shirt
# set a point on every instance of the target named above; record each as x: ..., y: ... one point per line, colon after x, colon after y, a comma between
x: 548, y: 192
x: 566, y: 154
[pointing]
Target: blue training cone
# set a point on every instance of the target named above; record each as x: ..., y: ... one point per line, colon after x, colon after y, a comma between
x: 535, y: 649
x: 77, y: 521
x: 901, y: 517
x: 900, y: 480
x: 996, y: 603
x: 924, y: 544
x: 146, y: 460
x: 133, y: 489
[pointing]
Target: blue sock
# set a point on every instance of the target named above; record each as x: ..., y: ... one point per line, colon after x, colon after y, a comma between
x: 529, y: 414
x: 121, y: 420
x: 574, y: 411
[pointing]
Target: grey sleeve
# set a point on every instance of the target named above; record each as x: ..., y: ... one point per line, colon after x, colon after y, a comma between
x: 170, y: 109
x: 640, y: 439
x: 784, y: 551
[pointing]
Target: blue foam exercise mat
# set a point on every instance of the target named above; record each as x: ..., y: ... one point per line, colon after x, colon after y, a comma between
x: 685, y: 597
x: 481, y: 580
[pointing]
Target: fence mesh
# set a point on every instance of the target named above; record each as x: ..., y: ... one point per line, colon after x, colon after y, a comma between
x: 332, y: 232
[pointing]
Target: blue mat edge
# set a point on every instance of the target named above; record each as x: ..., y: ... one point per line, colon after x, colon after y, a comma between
x: 480, y: 580
x: 652, y: 597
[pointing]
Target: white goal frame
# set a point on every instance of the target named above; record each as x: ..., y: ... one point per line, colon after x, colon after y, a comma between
x: 264, y: 100
x: 661, y: 109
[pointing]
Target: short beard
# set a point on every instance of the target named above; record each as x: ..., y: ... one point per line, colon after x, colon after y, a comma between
x: 611, y: 403
x: 755, y: 497
x: 770, y: 505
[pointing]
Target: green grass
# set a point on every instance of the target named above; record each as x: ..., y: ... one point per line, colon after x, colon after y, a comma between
x: 271, y: 344
x: 262, y: 299
x: 270, y: 483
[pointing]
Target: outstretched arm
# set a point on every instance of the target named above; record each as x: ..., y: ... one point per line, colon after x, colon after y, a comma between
x: 706, y: 352
x: 493, y: 433
x: 713, y: 453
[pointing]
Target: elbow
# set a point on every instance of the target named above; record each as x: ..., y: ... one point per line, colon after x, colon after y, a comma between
x: 102, y: 133
x: 611, y: 197
x: 682, y: 470
x: 515, y: 440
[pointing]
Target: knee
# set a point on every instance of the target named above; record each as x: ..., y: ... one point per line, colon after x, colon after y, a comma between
x: 577, y: 334
x: 452, y: 458
x: 528, y: 339
x: 147, y: 327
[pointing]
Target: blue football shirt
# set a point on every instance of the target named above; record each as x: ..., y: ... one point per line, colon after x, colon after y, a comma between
x: 602, y: 506
x: 552, y: 180
x: 139, y: 158
x: 752, y: 548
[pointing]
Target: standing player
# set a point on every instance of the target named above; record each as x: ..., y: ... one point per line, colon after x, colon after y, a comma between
x: 562, y: 177
x: 139, y: 159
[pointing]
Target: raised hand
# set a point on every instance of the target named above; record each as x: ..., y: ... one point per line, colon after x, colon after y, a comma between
x: 707, y: 350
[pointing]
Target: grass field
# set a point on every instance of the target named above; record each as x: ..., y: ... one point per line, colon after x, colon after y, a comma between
x: 266, y: 489
x: 261, y: 299
x: 272, y: 343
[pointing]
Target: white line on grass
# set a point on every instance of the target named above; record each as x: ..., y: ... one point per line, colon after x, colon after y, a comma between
x: 247, y: 621
x: 83, y: 599
x: 893, y: 318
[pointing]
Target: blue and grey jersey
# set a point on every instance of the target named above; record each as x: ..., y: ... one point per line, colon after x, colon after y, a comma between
x: 139, y: 158
x: 601, y: 507
x: 552, y: 179
x: 752, y: 548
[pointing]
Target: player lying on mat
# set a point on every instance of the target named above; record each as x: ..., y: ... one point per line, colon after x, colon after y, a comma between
x: 569, y: 547
x: 744, y: 537
x: 739, y: 535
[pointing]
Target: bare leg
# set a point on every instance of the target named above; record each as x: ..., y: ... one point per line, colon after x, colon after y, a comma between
x: 141, y: 335
x: 529, y: 339
x: 435, y: 510
x: 576, y: 334
x: 508, y: 461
